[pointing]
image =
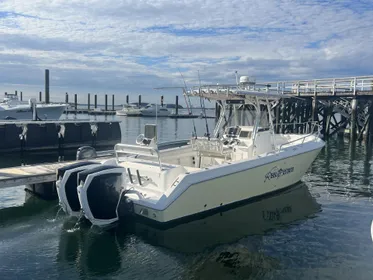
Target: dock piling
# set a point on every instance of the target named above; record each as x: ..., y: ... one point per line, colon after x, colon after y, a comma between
x: 127, y: 99
x: 89, y: 101
x: 95, y: 101
x: 21, y: 97
x: 139, y: 100
x: 353, y: 119
x: 106, y: 102
x: 112, y: 103
x: 40, y: 97
x: 46, y: 86
x: 76, y: 101
x: 66, y: 98
x: 177, y: 105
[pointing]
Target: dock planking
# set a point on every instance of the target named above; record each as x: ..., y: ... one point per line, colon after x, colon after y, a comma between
x: 33, y: 174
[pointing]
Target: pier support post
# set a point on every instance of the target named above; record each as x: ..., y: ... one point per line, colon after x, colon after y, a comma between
x: 112, y: 103
x: 46, y: 86
x: 127, y: 99
x: 40, y: 98
x: 139, y: 100
x: 277, y: 116
x: 21, y: 97
x: 66, y: 98
x: 95, y: 101
x: 177, y: 105
x: 162, y: 100
x: 353, y: 119
x: 329, y: 113
x: 283, y: 116
x: 89, y: 101
x: 16, y: 93
x: 314, y: 112
x: 369, y: 130
x: 106, y: 102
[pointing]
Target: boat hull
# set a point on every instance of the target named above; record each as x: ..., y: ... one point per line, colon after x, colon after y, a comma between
x: 43, y: 112
x: 212, y: 189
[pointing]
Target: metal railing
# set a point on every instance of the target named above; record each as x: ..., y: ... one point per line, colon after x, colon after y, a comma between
x: 326, y: 87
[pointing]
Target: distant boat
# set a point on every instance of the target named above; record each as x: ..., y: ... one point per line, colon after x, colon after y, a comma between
x: 129, y: 110
x: 153, y: 110
x: 11, y: 108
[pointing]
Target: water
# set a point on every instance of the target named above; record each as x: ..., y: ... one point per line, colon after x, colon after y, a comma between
x: 319, y: 229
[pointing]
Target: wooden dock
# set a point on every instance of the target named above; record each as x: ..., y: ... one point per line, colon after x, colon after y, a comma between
x: 33, y: 174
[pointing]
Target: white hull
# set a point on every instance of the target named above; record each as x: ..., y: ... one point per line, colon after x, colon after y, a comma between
x: 220, y: 186
x: 25, y: 113
x: 129, y: 113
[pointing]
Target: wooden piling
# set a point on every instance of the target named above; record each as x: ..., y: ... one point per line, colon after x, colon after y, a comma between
x: 139, y: 100
x: 177, y: 105
x: 16, y: 93
x: 328, y: 118
x: 106, y: 102
x: 283, y: 115
x: 66, y: 98
x: 95, y: 101
x: 277, y: 116
x: 127, y: 99
x: 46, y: 86
x: 21, y: 96
x: 112, y: 103
x: 369, y: 130
x: 353, y: 119
x: 89, y: 101
x: 161, y: 100
x: 40, y: 97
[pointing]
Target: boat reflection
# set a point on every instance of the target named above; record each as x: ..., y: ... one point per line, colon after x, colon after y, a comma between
x: 226, y: 242
x: 255, y: 218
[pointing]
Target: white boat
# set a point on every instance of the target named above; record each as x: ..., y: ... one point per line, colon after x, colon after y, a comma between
x: 204, y: 175
x: 153, y: 110
x: 11, y: 108
x: 129, y: 110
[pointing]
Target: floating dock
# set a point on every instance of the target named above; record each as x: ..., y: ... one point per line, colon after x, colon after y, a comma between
x: 34, y: 174
x: 19, y: 136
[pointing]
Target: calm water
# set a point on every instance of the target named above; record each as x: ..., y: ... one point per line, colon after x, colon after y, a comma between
x: 320, y: 229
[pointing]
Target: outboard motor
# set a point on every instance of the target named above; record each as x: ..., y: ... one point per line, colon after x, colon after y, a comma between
x: 99, y: 193
x: 66, y: 185
x: 86, y: 152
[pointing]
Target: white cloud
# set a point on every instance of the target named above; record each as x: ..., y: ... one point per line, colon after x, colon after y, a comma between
x: 133, y: 46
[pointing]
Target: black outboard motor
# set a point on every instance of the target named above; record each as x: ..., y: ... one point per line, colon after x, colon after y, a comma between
x: 86, y: 152
x: 66, y: 185
x: 99, y: 193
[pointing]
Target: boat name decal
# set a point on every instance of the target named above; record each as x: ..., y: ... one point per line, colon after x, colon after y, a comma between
x: 276, y: 173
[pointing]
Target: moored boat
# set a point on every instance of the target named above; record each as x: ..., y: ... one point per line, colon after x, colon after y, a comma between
x: 13, y: 109
x: 206, y: 174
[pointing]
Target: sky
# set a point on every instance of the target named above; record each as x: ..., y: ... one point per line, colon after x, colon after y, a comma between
x: 131, y: 47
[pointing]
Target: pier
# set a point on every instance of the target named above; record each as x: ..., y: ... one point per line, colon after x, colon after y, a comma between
x: 338, y: 105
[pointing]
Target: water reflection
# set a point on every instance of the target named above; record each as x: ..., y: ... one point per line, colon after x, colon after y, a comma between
x: 31, y: 206
x: 205, y: 241
x: 251, y: 219
x: 343, y: 169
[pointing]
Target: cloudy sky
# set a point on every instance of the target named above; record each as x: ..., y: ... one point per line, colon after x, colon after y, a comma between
x: 130, y: 47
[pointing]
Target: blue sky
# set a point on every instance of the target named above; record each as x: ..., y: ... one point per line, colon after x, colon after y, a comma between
x: 131, y: 47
